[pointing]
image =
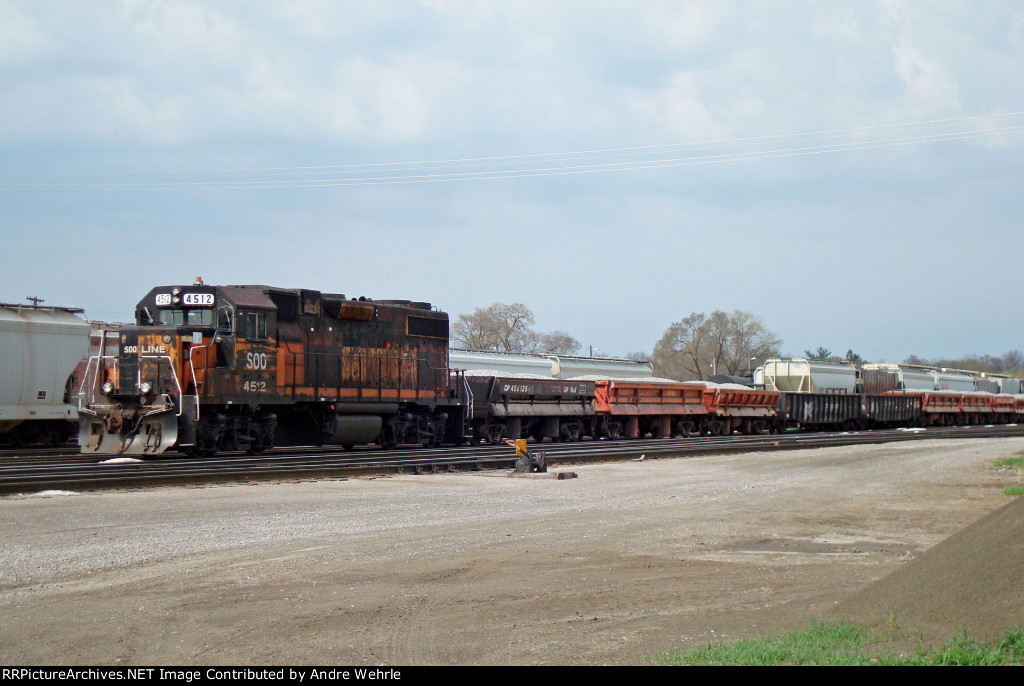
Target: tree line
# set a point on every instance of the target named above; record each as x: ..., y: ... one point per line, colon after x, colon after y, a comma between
x: 696, y: 347
x: 1011, y: 362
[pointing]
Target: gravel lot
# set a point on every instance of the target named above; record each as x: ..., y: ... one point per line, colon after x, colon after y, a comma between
x: 625, y: 561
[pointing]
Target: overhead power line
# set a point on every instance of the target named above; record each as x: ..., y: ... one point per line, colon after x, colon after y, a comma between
x: 592, y: 161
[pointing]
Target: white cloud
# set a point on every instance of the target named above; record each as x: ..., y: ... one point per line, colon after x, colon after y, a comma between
x: 680, y: 110
x: 189, y: 84
x: 21, y: 39
x: 930, y: 87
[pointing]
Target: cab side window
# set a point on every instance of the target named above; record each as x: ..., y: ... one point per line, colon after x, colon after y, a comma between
x: 254, y: 326
x: 225, y: 320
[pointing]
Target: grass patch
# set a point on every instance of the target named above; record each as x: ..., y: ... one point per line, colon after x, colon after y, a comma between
x: 1016, y: 462
x: 842, y: 642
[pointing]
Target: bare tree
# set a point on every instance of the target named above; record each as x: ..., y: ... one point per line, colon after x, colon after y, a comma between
x: 558, y: 343
x: 1011, y: 360
x: 508, y: 328
x: 699, y: 346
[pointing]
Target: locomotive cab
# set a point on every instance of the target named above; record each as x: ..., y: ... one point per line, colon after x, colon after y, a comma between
x: 145, y: 377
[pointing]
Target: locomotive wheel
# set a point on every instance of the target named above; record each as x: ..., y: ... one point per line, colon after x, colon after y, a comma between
x: 387, y: 438
x: 347, y: 446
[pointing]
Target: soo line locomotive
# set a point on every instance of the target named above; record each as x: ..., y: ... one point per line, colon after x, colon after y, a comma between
x: 218, y: 368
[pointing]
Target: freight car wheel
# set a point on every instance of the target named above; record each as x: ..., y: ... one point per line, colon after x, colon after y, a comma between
x: 495, y: 434
x: 571, y: 433
x: 25, y: 434
x: 55, y: 434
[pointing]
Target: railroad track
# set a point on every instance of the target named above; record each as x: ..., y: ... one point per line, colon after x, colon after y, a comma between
x: 59, y: 470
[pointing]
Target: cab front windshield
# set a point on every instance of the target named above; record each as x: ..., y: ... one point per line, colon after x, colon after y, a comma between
x: 191, y: 317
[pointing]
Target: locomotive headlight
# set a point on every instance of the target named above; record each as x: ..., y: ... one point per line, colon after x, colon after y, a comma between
x: 145, y: 387
x: 107, y: 387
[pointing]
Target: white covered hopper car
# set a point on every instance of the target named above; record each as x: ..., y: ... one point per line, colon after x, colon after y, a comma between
x: 40, y: 347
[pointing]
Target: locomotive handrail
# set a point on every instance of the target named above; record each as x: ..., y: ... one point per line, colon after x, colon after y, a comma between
x: 90, y: 371
x: 468, y: 409
x: 192, y: 367
x: 174, y: 375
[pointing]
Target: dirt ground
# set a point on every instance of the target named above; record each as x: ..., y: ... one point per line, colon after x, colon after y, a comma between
x: 628, y: 560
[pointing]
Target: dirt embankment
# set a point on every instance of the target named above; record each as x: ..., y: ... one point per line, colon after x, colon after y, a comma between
x: 973, y: 580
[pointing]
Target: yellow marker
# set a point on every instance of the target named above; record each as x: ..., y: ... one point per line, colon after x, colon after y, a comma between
x: 520, y: 447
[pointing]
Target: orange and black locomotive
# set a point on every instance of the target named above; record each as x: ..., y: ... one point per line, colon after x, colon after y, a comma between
x: 209, y: 368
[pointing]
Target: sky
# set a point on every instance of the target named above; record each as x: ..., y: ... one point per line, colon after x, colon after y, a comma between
x: 851, y: 172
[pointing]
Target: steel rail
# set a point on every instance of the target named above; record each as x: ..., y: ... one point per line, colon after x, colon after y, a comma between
x: 84, y: 472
